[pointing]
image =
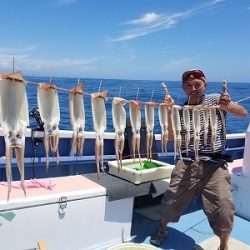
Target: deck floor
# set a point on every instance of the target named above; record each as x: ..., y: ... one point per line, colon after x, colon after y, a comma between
x: 191, y: 230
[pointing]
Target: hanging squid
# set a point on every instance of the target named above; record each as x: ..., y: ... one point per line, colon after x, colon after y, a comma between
x: 135, y: 120
x: 163, y: 118
x: 186, y: 122
x: 149, y: 120
x: 119, y: 123
x: 14, y: 120
x: 99, y: 122
x: 77, y: 118
x: 176, y: 124
x: 48, y: 105
x: 224, y: 90
x: 213, y: 126
x: 206, y: 124
x: 197, y: 129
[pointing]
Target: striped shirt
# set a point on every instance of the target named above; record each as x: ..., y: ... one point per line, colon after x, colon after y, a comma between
x: 211, y: 99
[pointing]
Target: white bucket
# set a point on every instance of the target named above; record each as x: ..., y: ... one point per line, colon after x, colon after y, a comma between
x: 132, y: 246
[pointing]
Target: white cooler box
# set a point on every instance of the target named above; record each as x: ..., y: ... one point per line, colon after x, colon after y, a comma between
x: 76, y: 214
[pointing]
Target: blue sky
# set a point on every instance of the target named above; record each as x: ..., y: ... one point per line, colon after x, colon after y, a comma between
x: 126, y: 39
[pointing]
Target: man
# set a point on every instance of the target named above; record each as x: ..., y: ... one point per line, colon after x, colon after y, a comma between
x: 208, y: 176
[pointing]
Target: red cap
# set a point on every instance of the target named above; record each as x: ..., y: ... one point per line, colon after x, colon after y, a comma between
x: 193, y: 73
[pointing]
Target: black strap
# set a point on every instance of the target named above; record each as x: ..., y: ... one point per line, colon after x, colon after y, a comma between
x: 215, y: 156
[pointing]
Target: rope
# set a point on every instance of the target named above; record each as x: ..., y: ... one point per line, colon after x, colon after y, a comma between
x: 57, y: 88
x: 111, y: 98
x: 241, y: 100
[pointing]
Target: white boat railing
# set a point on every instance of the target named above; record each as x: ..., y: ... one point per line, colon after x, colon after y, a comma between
x: 236, y: 136
x: 107, y: 135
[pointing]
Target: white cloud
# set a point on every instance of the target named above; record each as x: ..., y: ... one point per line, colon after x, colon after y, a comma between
x: 146, y: 19
x: 29, y: 64
x: 152, y: 22
x: 163, y: 22
x: 216, y: 1
x: 9, y: 50
x: 64, y: 2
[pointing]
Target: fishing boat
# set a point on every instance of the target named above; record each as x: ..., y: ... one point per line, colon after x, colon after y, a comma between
x: 72, y: 209
x: 66, y: 203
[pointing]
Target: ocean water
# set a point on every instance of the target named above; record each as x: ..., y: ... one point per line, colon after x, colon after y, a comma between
x: 133, y: 89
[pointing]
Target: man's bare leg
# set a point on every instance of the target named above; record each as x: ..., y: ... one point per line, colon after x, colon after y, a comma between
x: 223, y: 241
x: 163, y: 223
x: 159, y: 236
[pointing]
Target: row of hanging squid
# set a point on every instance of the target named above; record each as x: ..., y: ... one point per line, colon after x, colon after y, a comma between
x: 14, y: 119
x: 209, y: 121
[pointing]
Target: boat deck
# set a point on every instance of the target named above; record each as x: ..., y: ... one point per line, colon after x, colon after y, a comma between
x: 191, y: 232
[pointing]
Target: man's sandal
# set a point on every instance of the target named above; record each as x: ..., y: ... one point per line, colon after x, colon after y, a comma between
x: 158, y: 237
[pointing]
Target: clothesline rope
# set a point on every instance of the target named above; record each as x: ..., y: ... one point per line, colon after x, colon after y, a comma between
x: 241, y: 100
x: 84, y: 93
x: 111, y: 98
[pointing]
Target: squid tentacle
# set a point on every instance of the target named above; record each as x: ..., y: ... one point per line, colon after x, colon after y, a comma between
x: 149, y: 120
x: 135, y: 119
x: 8, y: 169
x: 176, y: 124
x: 48, y: 104
x: 197, y: 129
x: 163, y: 118
x: 119, y: 124
x: 99, y: 122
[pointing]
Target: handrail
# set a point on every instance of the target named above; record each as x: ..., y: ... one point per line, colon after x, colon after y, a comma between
x: 107, y: 135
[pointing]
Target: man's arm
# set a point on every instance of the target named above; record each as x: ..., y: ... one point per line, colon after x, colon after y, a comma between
x: 231, y: 107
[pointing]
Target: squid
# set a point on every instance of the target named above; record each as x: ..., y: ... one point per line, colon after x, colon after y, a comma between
x: 163, y: 119
x: 223, y: 120
x: 99, y: 122
x: 186, y: 122
x: 149, y: 120
x: 206, y: 125
x: 213, y: 126
x: 119, y: 124
x: 77, y: 118
x: 176, y: 124
x: 14, y: 121
x: 48, y: 105
x: 197, y: 129
x: 135, y: 120
x: 224, y: 90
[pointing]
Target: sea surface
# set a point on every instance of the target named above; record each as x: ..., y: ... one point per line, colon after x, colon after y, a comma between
x: 134, y: 89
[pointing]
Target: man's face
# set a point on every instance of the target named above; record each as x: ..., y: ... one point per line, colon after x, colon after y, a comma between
x: 194, y: 88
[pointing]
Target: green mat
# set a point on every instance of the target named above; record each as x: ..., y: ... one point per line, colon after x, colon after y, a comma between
x: 147, y: 165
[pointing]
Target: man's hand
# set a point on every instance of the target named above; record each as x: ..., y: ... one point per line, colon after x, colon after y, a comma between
x: 227, y: 105
x: 169, y: 101
x: 225, y: 99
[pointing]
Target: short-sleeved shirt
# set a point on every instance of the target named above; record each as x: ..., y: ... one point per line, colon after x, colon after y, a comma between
x: 211, y: 99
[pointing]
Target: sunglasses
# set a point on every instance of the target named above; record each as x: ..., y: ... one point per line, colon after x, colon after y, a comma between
x: 196, y: 73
